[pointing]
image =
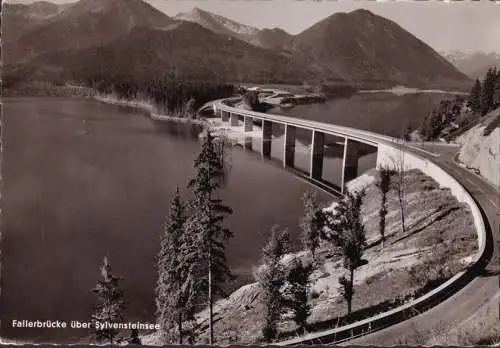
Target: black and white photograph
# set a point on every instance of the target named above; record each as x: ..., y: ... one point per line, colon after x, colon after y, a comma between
x: 250, y: 172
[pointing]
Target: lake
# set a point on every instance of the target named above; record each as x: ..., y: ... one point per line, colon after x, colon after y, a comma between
x: 384, y: 112
x: 82, y: 180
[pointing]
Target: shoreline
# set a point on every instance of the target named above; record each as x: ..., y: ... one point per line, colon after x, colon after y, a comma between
x: 146, y: 106
x: 235, y: 134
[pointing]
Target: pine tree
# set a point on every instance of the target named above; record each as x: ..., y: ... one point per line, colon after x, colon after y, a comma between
x: 384, y: 184
x: 110, y: 304
x: 134, y: 337
x: 425, y: 128
x: 488, y: 91
x: 497, y: 91
x: 310, y: 223
x: 351, y: 238
x: 297, y: 293
x: 271, y: 278
x: 408, y: 129
x: 436, y: 125
x: 475, y: 97
x: 173, y: 299
x: 205, y: 226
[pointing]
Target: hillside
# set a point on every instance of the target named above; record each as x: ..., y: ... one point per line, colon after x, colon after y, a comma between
x: 475, y: 65
x: 439, y: 242
x: 371, y: 50
x: 481, y: 147
x: 17, y: 19
x: 375, y: 53
x: 349, y: 48
x: 184, y: 48
x: 84, y: 24
x: 276, y: 39
x: 221, y: 25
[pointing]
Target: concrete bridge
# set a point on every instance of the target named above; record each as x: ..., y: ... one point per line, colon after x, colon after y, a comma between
x: 359, y: 150
x: 355, y: 150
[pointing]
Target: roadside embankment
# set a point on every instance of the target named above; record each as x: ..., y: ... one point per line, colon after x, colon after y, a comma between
x: 440, y: 241
x: 481, y: 147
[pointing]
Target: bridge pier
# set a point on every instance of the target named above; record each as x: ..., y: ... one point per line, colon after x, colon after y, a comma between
x: 289, y: 146
x: 248, y: 143
x: 350, y: 162
x: 248, y: 121
x: 234, y: 122
x: 317, y: 150
x: 267, y: 134
x: 224, y: 116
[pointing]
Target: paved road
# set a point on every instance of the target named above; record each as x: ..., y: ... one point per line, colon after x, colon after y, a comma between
x: 459, y: 307
x: 474, y: 295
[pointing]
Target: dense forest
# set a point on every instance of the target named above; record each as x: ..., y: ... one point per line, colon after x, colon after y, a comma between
x: 457, y: 115
x: 169, y: 94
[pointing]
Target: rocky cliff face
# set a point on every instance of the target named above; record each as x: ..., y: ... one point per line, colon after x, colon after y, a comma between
x: 481, y: 147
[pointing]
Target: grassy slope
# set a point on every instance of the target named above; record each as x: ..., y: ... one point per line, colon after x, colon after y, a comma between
x: 438, y: 244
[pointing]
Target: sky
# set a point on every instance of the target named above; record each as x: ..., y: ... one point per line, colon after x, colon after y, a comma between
x: 467, y: 26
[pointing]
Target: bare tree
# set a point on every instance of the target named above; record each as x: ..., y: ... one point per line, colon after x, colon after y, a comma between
x: 399, y: 169
x: 401, y: 183
x: 384, y: 184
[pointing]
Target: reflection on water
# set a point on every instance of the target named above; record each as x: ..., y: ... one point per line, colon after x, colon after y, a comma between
x: 83, y: 180
x: 384, y: 113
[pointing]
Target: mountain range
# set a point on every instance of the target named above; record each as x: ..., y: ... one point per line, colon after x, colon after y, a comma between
x: 475, y: 64
x: 44, y: 41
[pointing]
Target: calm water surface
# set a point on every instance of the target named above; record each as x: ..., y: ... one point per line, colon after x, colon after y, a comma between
x: 384, y: 112
x: 82, y: 180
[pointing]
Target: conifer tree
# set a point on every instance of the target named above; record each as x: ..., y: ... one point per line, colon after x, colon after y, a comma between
x: 347, y: 225
x: 384, y: 184
x: 272, y: 279
x: 496, y: 97
x: 475, y: 97
x: 110, y: 303
x: 134, y: 337
x: 310, y: 223
x: 297, y: 292
x: 174, y: 303
x: 488, y: 91
x: 205, y: 226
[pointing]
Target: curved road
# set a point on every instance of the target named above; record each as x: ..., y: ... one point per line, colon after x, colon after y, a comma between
x: 462, y: 305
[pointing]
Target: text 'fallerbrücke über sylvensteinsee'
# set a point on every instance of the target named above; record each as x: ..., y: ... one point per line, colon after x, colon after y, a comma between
x: 75, y: 324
